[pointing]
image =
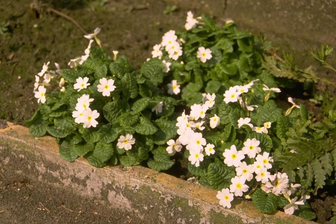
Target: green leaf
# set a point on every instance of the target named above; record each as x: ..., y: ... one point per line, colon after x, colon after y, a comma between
x: 67, y: 152
x: 113, y: 110
x: 90, y: 135
x: 38, y: 130
x: 319, y: 174
x: 220, y: 175
x: 269, y: 112
x: 282, y: 127
x: 213, y: 86
x: 153, y: 71
x: 246, y: 44
x: 143, y: 154
x: 197, y: 83
x: 326, y: 160
x: 62, y: 128
x: 128, y: 160
x: 100, y: 71
x: 108, y: 134
x: 230, y: 69
x: 146, y: 127
x: 69, y: 75
x: 225, y: 44
x: 243, y: 64
x: 140, y: 105
x: 266, y: 203
x: 209, y: 22
x: 306, y: 213
x: 101, y: 154
x: 168, y: 127
x: 82, y: 150
x: 201, y: 170
x: 127, y: 119
x: 120, y: 67
x: 130, y: 86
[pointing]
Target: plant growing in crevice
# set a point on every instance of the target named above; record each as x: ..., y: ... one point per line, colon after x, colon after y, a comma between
x: 210, y: 93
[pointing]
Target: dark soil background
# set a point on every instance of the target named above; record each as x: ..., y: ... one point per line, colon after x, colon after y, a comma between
x: 33, y: 33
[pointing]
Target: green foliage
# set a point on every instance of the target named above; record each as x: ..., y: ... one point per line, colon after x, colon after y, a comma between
x: 239, y: 80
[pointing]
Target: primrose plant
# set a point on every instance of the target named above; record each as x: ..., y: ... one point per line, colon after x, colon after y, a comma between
x: 103, y: 110
x: 209, y: 93
x: 232, y: 131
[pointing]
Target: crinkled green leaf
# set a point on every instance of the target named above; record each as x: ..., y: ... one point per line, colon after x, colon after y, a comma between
x: 67, y: 152
x: 213, y: 86
x: 153, y: 71
x: 282, y: 127
x: 319, y: 174
x: 101, y: 154
x: 113, y: 110
x: 69, y: 75
x: 82, y: 150
x: 266, y: 203
x: 146, y: 127
x: 61, y: 128
x: 140, y: 105
x: 38, y: 130
x: 130, y: 86
x: 220, y: 175
x: 246, y: 44
x: 100, y: 71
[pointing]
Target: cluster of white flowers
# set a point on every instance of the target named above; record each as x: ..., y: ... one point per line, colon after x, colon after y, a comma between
x: 259, y: 169
x: 83, y: 114
x: 39, y: 85
x: 191, y: 21
x: 188, y: 127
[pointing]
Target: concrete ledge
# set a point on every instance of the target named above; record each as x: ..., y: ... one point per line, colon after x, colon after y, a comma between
x: 149, y: 194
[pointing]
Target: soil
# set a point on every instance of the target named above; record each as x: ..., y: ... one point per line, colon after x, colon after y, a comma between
x: 31, y: 36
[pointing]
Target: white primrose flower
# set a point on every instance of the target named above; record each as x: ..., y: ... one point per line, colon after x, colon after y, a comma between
x: 158, y: 107
x: 106, y: 86
x: 184, y: 135
x: 44, y: 69
x: 231, y: 95
x: 266, y: 88
x: 214, y: 121
x: 251, y: 147
x: 173, y: 87
x: 257, y: 166
x: 280, y: 184
x: 89, y: 118
x: 83, y: 102
x: 92, y: 35
x: 173, y: 146
x: 87, y: 52
x: 175, y: 53
x: 78, y: 115
x: 238, y: 186
x: 262, y: 175
x: 165, y: 66
x: 232, y: 157
x: 293, y: 188
x: 209, y: 99
x: 198, y: 111
x: 244, y: 121
x: 245, y: 170
x: 225, y: 197
x: 195, y: 157
x: 265, y: 160
x: 196, y: 142
x: 115, y: 53
x: 293, y: 205
x: 191, y: 21
x: 182, y: 120
x: 251, y: 107
x: 157, y: 52
x: 81, y: 83
x: 125, y: 142
x: 260, y: 130
x: 267, y: 125
x: 199, y: 125
x: 40, y: 94
x: 209, y: 149
x: 204, y: 54
x: 168, y: 38
x: 290, y: 100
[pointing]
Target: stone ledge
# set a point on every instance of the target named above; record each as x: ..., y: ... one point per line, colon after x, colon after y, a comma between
x: 151, y: 195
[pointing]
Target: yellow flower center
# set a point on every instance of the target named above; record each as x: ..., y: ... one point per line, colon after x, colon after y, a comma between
x: 226, y: 198
x: 106, y: 87
x: 233, y: 156
x: 238, y: 186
